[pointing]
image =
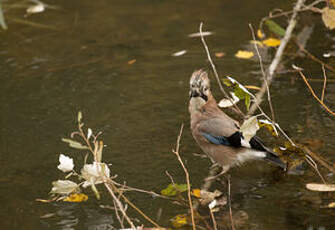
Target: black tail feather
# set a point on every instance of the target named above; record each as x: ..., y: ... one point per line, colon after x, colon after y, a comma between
x: 273, y: 158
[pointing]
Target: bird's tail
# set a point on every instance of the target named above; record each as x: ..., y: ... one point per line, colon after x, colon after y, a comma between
x: 273, y: 158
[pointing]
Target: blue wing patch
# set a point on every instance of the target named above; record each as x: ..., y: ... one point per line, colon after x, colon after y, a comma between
x: 217, y: 140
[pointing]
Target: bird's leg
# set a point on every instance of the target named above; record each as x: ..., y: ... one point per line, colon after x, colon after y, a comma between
x: 213, y: 177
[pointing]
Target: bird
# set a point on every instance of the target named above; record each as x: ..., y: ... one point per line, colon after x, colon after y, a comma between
x: 219, y: 135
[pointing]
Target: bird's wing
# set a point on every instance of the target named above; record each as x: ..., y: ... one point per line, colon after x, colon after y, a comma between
x: 220, y: 131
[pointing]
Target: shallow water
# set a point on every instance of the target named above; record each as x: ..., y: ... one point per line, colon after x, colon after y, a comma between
x: 81, y: 63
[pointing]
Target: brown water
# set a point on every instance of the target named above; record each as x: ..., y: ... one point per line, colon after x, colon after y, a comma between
x: 81, y: 63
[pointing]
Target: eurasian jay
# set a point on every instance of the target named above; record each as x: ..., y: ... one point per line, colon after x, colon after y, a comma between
x: 217, y: 134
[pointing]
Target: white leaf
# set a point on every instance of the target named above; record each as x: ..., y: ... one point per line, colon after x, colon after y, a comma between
x: 224, y: 103
x: 179, y: 53
x: 63, y: 187
x: 36, y: 9
x: 212, y: 204
x: 89, y: 133
x: 249, y: 128
x: 65, y: 163
x: 321, y: 187
x: 94, y: 173
x: 327, y: 55
x: 204, y: 33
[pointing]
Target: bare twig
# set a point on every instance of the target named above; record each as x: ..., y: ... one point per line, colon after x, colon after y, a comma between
x: 213, y: 219
x: 324, y: 83
x: 169, y: 175
x: 319, y: 159
x: 176, y: 151
x: 110, y: 187
x: 314, y: 95
x: 229, y: 203
x: 119, y: 204
x: 311, y: 56
x: 312, y: 163
x: 263, y: 73
x: 274, y: 64
x: 117, y: 214
x: 216, y: 73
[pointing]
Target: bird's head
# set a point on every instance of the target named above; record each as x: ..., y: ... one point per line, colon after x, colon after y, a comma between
x: 199, y: 89
x: 200, y: 85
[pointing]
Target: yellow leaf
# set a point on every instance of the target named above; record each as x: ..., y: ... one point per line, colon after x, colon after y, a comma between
x: 179, y: 221
x: 196, y: 193
x: 260, y: 34
x: 244, y: 54
x: 328, y: 17
x: 332, y: 2
x: 271, y: 42
x: 77, y: 197
x: 331, y: 205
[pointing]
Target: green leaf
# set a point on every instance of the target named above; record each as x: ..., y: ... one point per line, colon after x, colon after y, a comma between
x: 74, y: 144
x: 2, y: 18
x: 174, y: 189
x: 275, y: 28
x: 247, y: 101
x: 239, y: 90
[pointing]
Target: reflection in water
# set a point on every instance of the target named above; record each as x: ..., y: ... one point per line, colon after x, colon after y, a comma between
x: 79, y: 216
x: 47, y: 76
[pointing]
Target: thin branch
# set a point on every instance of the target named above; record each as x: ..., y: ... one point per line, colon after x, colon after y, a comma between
x: 176, y: 151
x: 312, y: 163
x: 229, y: 203
x: 274, y: 64
x: 110, y: 186
x: 319, y: 159
x: 311, y: 56
x: 314, y: 95
x: 213, y: 219
x: 216, y: 73
x: 324, y: 83
x: 263, y: 73
x: 120, y: 206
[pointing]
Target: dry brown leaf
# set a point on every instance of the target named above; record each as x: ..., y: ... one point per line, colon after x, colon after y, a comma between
x: 131, y: 61
x: 321, y: 187
x: 219, y: 54
x: 252, y: 87
x: 328, y: 17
